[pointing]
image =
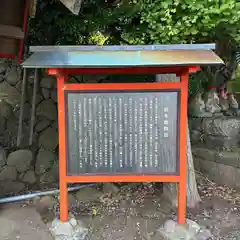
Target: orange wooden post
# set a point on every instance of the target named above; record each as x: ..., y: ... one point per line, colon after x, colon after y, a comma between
x: 182, y: 188
x: 62, y: 148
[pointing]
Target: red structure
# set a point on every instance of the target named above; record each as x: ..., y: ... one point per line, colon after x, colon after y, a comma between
x: 168, y: 62
x: 13, y: 26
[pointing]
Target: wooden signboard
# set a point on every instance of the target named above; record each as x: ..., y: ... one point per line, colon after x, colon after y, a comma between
x: 122, y: 132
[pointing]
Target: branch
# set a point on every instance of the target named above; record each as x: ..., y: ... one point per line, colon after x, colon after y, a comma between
x: 113, y: 31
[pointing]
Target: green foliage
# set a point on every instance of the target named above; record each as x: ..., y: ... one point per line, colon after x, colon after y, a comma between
x: 198, y: 82
x: 234, y: 84
x: 185, y: 21
x: 137, y: 22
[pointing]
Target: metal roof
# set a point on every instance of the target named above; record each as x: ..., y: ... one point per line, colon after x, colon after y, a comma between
x: 206, y: 46
x: 121, y: 56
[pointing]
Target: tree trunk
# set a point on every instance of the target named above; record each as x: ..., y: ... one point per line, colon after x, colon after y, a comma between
x: 170, y: 190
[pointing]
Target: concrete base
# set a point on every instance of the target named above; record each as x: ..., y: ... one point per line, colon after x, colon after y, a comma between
x: 71, y: 230
x: 190, y: 231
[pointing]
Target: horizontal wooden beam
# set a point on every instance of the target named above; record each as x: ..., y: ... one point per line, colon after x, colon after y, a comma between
x: 122, y: 70
x: 11, y: 32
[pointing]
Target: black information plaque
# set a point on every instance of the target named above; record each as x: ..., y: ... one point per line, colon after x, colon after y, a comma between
x: 122, y: 132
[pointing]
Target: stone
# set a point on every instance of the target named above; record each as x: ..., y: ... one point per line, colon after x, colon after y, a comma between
x: 3, y: 68
x: 45, y: 203
x: 173, y: 231
x: 48, y: 139
x: 212, y: 101
x: 44, y: 161
x: 8, y: 173
x: 224, y: 157
x: 6, y: 109
x: 50, y: 176
x: 9, y: 93
x: 232, y: 101
x: 196, y: 137
x: 2, y: 78
x: 18, y: 86
x: 193, y: 227
x: 54, y: 96
x: 46, y: 93
x: 48, y: 109
x: 55, y: 170
x: 48, y: 82
x: 195, y: 124
x: 41, y: 118
x: 11, y: 133
x: 204, y: 234
x: 169, y: 226
x: 73, y: 222
x: 42, y: 124
x: 220, y: 143
x: 223, y: 101
x: 31, y: 76
x: 70, y: 230
x: 197, y: 107
x: 111, y: 188
x: 39, y: 98
x: 228, y: 158
x: 8, y: 187
x: 3, y: 122
x: 204, y: 153
x: 20, y: 159
x: 88, y: 194
x: 29, y: 177
x: 223, y: 127
x: 219, y: 173
x: 3, y: 157
x: 55, y: 125
x: 13, y: 76
x: 26, y: 112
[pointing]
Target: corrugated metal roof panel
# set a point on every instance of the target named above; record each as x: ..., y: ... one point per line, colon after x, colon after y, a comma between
x: 75, y: 58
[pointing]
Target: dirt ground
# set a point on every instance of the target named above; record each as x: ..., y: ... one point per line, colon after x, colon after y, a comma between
x: 134, y: 213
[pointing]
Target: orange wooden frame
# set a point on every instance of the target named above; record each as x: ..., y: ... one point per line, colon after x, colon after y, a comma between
x: 182, y: 86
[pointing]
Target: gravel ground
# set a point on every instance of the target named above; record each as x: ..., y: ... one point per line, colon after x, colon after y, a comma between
x: 219, y: 210
x: 138, y: 210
